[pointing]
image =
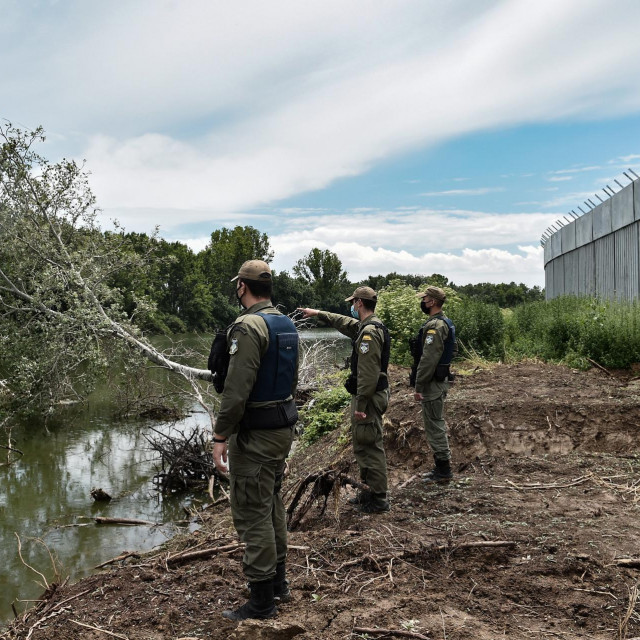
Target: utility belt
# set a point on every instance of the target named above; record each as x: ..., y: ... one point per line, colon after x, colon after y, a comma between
x: 284, y: 414
x: 351, y: 384
x: 443, y: 372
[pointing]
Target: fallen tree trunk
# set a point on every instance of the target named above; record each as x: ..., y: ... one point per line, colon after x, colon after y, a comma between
x: 127, y: 521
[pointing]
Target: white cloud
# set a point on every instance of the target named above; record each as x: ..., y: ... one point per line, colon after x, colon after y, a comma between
x: 211, y: 108
x: 469, y: 266
x: 559, y: 178
x: 629, y: 158
x: 577, y: 170
x: 480, y: 191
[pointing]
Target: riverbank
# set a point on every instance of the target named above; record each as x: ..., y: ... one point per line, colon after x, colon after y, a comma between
x: 536, y: 537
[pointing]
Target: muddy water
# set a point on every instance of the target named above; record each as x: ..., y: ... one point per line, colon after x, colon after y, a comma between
x: 45, y: 495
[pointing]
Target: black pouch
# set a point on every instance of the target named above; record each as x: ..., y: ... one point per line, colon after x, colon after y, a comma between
x: 412, y: 376
x: 289, y: 413
x: 351, y: 385
x: 218, y: 362
x: 442, y: 372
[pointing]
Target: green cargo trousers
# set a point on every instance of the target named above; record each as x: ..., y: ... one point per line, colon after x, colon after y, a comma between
x: 256, y: 465
x: 368, y: 445
x: 435, y: 428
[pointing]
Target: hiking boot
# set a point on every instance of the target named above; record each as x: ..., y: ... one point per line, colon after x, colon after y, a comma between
x: 260, y: 606
x: 362, y: 497
x: 440, y: 474
x: 378, y: 503
x: 281, y: 591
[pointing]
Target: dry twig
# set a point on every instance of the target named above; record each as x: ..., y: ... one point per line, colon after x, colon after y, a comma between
x: 390, y: 632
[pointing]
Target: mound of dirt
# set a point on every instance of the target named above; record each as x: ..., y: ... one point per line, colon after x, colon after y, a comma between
x: 538, y: 536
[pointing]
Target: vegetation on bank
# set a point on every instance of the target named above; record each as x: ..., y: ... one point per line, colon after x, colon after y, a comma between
x: 324, y: 412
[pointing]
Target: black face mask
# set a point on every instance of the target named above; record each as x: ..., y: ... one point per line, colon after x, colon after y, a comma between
x: 423, y: 307
x: 239, y: 297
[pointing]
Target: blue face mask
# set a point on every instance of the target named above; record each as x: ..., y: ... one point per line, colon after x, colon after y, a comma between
x: 354, y: 313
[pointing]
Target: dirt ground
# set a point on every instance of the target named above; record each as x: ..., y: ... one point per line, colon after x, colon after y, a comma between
x: 538, y: 536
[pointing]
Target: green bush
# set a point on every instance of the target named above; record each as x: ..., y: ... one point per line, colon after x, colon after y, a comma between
x: 324, y: 412
x: 480, y: 327
x: 575, y: 330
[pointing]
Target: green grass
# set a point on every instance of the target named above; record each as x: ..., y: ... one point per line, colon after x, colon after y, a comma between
x: 576, y: 330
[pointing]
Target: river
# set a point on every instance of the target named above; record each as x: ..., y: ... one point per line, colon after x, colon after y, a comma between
x: 45, y: 495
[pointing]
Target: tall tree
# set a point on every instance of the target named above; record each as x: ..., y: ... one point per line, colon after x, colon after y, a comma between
x: 323, y: 271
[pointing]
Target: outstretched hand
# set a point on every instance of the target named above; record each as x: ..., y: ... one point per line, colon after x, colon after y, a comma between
x: 307, y: 312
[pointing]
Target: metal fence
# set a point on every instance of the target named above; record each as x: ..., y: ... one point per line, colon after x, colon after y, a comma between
x: 598, y: 252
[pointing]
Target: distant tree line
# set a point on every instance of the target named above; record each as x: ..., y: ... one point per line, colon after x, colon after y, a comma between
x: 187, y: 291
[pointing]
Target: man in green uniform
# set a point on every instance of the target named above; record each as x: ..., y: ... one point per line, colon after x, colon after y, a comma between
x: 254, y: 432
x: 437, y: 348
x: 369, y: 387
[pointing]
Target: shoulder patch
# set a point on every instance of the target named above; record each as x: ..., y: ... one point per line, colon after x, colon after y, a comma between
x: 429, y: 339
x: 366, y: 337
x: 431, y: 331
x: 233, y: 348
x: 364, y: 348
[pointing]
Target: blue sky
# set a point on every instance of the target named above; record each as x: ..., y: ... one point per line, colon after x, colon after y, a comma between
x: 413, y: 136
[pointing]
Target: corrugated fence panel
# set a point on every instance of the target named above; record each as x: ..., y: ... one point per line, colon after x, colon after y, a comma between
x: 605, y: 266
x: 547, y: 252
x: 598, y: 254
x: 626, y: 262
x: 571, y: 273
x: 586, y: 270
x: 558, y: 277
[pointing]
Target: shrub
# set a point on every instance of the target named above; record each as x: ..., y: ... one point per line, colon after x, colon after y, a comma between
x: 324, y: 412
x: 576, y: 330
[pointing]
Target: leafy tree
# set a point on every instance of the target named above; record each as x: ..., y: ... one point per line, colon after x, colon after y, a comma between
x: 323, y: 271
x: 379, y: 282
x: 290, y: 293
x: 62, y: 321
x: 503, y: 294
x: 227, y: 250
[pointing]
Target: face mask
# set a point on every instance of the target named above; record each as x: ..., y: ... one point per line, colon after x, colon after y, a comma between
x: 354, y: 313
x: 423, y: 307
x: 239, y: 298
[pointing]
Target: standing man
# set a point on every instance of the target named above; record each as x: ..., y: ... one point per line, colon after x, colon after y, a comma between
x: 436, y: 346
x: 369, y: 389
x: 254, y: 432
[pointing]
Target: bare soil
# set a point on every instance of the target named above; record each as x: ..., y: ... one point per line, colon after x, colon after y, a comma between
x: 528, y: 541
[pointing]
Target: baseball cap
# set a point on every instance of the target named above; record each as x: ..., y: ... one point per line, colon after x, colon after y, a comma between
x: 364, y: 293
x: 433, y: 292
x: 254, y: 270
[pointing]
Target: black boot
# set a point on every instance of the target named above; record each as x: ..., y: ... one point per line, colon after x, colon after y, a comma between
x: 260, y: 606
x: 281, y: 591
x: 362, y: 497
x: 440, y: 474
x: 377, y: 504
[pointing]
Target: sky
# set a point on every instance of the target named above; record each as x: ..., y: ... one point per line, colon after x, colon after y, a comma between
x: 415, y: 136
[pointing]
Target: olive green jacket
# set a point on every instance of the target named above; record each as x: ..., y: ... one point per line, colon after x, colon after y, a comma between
x: 435, y: 332
x: 369, y: 346
x: 247, y: 341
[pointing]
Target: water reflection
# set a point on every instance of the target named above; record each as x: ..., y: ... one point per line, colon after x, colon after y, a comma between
x: 47, y: 493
